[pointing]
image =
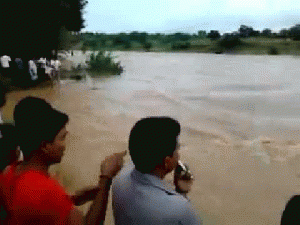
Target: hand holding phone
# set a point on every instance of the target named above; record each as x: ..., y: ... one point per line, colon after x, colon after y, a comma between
x: 183, y: 178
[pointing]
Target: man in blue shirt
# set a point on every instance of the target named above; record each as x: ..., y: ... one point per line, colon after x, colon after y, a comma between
x: 140, y: 194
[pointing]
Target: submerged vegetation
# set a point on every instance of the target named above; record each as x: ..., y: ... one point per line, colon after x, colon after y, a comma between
x: 104, y: 63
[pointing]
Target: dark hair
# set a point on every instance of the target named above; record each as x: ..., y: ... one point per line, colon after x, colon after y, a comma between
x: 36, y: 122
x: 151, y: 140
x: 8, y: 144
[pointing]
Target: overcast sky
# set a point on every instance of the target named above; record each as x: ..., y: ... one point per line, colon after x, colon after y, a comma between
x: 114, y: 16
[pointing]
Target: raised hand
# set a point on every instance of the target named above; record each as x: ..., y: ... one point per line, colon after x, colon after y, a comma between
x: 112, y: 164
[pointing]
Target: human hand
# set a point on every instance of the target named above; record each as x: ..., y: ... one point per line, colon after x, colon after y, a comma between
x: 183, y: 186
x: 183, y: 178
x: 86, y: 190
x: 84, y: 195
x: 112, y: 164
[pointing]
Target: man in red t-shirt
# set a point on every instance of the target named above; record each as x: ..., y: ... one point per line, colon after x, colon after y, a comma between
x: 30, y: 195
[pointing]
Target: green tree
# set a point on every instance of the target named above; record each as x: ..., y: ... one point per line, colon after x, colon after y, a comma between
x: 295, y: 32
x: 181, y: 36
x: 214, y: 35
x: 284, y: 33
x: 229, y: 41
x: 246, y: 31
x: 147, y: 46
x: 121, y: 39
x: 140, y: 37
x: 104, y: 63
x: 202, y: 34
x: 32, y: 28
x: 267, y: 32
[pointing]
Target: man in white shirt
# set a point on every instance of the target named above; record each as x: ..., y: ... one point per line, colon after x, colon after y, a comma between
x: 32, y: 70
x: 140, y: 194
x: 5, y: 59
x: 43, y: 61
x: 55, y: 64
x: 41, y: 71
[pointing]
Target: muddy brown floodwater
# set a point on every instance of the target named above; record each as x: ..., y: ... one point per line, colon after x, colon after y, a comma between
x: 239, y: 117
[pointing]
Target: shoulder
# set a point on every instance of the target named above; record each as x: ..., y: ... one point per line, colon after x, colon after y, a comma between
x: 36, y: 180
x: 38, y: 189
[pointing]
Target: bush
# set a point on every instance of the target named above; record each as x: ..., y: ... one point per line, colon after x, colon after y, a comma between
x: 273, y: 51
x: 147, y: 46
x: 229, y: 42
x: 181, y: 46
x: 103, y: 62
x: 127, y: 45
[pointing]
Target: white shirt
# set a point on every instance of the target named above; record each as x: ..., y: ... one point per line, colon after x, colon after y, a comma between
x: 43, y: 62
x: 55, y: 63
x: 5, y: 61
x: 32, y: 65
x: 146, y: 199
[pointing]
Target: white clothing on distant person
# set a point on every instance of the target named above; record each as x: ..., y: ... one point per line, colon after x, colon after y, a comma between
x: 55, y: 63
x: 32, y: 70
x: 48, y: 70
x: 5, y: 59
x: 43, y: 61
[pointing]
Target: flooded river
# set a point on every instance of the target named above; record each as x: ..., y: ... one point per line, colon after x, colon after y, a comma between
x: 240, y: 126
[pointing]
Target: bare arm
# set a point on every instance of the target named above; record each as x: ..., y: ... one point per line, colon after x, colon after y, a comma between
x: 96, y: 215
x: 97, y: 212
x: 85, y: 195
x: 109, y: 168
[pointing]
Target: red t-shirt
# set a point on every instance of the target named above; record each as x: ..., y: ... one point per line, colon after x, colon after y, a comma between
x: 34, y: 198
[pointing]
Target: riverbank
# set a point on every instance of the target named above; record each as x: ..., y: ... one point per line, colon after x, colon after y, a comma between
x: 252, y: 46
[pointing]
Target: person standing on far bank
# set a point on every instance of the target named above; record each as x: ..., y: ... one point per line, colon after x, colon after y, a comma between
x: 5, y: 60
x: 55, y: 63
x: 32, y: 70
x: 139, y: 193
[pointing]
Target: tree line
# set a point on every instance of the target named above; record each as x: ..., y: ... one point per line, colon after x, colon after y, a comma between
x: 36, y: 28
x: 181, y: 40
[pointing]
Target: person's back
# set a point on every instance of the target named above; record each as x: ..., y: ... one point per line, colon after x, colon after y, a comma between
x: 143, y: 199
x: 140, y: 194
x: 19, y: 63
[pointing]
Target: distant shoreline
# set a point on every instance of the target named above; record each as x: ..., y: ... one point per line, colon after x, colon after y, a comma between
x: 245, y: 46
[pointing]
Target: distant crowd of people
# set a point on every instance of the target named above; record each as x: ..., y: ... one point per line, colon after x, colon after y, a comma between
x: 29, y: 70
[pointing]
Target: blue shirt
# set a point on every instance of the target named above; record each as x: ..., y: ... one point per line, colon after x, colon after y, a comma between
x: 140, y: 198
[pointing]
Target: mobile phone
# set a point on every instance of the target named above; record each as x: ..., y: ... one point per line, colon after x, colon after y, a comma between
x: 183, y: 172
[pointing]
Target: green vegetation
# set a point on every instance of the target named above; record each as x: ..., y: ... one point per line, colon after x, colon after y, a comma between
x: 53, y: 25
x: 104, y: 63
x: 245, y: 40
